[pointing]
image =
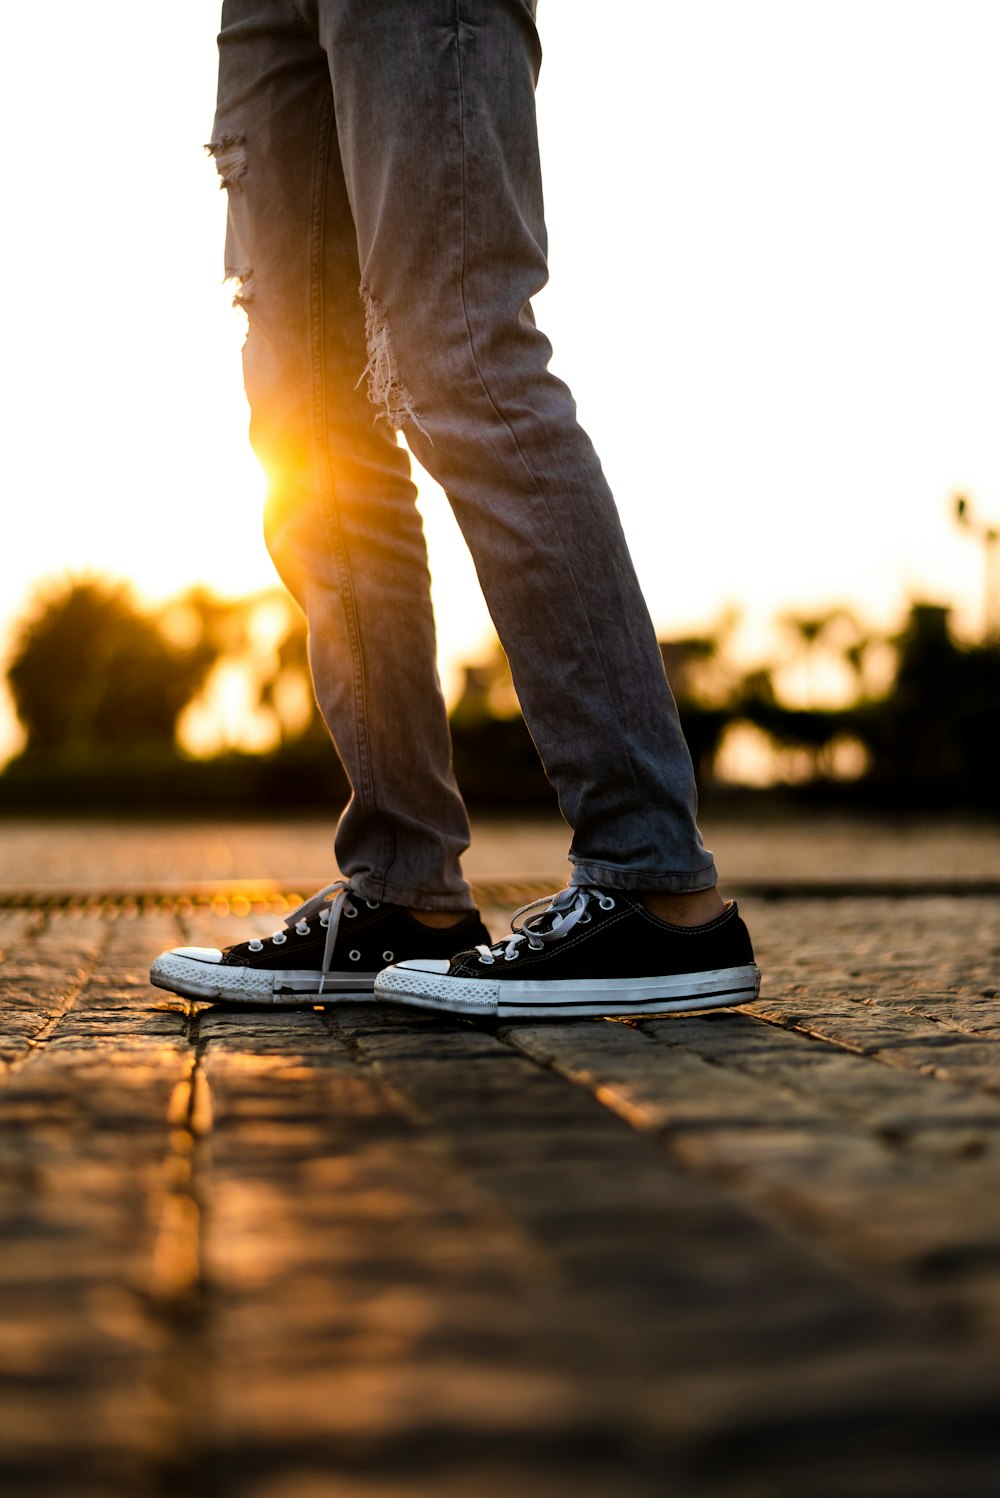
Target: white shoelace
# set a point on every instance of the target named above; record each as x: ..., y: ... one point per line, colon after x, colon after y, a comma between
x: 329, y: 905
x: 567, y: 909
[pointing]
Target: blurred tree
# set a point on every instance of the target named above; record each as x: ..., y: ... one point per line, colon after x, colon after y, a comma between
x: 290, y: 680
x: 495, y: 760
x: 702, y: 688
x: 93, y: 677
x: 487, y: 689
x: 832, y: 636
x: 989, y: 537
x: 935, y: 740
x: 91, y: 672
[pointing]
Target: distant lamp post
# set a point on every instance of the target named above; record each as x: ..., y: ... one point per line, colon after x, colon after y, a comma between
x: 989, y: 537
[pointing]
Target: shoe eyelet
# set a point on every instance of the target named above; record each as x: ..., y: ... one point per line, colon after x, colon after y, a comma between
x: 606, y: 904
x: 255, y: 945
x: 355, y: 956
x: 486, y: 961
x: 388, y: 956
x: 536, y: 946
x: 350, y: 913
x: 373, y: 904
x: 279, y: 938
x: 511, y: 956
x: 302, y: 928
x: 585, y: 918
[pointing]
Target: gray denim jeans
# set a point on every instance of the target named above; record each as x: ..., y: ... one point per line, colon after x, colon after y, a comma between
x: 389, y: 147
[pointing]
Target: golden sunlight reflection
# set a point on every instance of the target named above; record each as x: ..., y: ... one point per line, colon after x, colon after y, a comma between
x: 747, y: 756
x: 258, y: 695
x: 225, y: 716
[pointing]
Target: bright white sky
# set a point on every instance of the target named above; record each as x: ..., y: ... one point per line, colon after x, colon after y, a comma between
x: 775, y: 236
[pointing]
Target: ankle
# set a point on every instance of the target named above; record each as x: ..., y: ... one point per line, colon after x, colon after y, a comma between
x: 693, y: 908
x: 440, y: 920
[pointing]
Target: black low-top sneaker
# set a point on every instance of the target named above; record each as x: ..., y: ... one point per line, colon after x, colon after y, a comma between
x: 589, y: 952
x: 331, y: 947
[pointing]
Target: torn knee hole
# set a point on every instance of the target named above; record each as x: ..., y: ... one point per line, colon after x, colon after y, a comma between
x: 242, y: 284
x: 386, y: 387
x: 230, y: 155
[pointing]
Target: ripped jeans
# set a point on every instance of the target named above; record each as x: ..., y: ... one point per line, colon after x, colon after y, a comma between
x: 389, y: 146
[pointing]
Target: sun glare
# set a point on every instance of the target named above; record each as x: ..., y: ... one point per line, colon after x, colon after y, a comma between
x: 778, y: 313
x: 225, y: 717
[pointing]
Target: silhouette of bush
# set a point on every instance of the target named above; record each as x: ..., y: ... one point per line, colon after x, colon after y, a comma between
x: 100, y: 686
x: 90, y: 672
x: 936, y: 738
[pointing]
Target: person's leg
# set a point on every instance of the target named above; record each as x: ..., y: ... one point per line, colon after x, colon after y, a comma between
x: 436, y: 127
x: 344, y: 532
x: 341, y: 520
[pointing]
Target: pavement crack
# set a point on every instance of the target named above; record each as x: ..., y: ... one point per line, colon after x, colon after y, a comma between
x: 396, y: 1100
x: 176, y: 1269
x: 885, y: 1055
x: 177, y: 1297
x: 39, y: 1038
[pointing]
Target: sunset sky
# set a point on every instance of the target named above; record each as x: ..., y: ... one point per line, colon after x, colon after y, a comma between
x: 775, y: 241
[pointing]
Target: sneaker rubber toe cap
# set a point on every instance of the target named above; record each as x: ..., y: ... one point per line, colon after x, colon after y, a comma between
x: 426, y: 964
x: 194, y: 954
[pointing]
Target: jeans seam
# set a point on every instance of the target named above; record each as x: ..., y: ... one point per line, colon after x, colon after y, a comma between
x: 335, y: 537
x: 482, y: 380
x: 293, y: 4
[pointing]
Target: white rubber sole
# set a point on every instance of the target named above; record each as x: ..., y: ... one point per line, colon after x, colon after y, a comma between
x: 417, y: 985
x: 247, y: 985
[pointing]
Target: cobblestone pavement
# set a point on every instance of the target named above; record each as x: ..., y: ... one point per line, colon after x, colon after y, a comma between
x: 355, y: 1252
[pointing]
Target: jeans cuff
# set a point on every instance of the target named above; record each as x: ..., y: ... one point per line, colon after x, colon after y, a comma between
x: 371, y: 888
x: 608, y: 876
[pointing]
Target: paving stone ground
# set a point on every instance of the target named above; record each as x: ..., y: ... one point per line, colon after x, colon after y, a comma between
x: 355, y: 1252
